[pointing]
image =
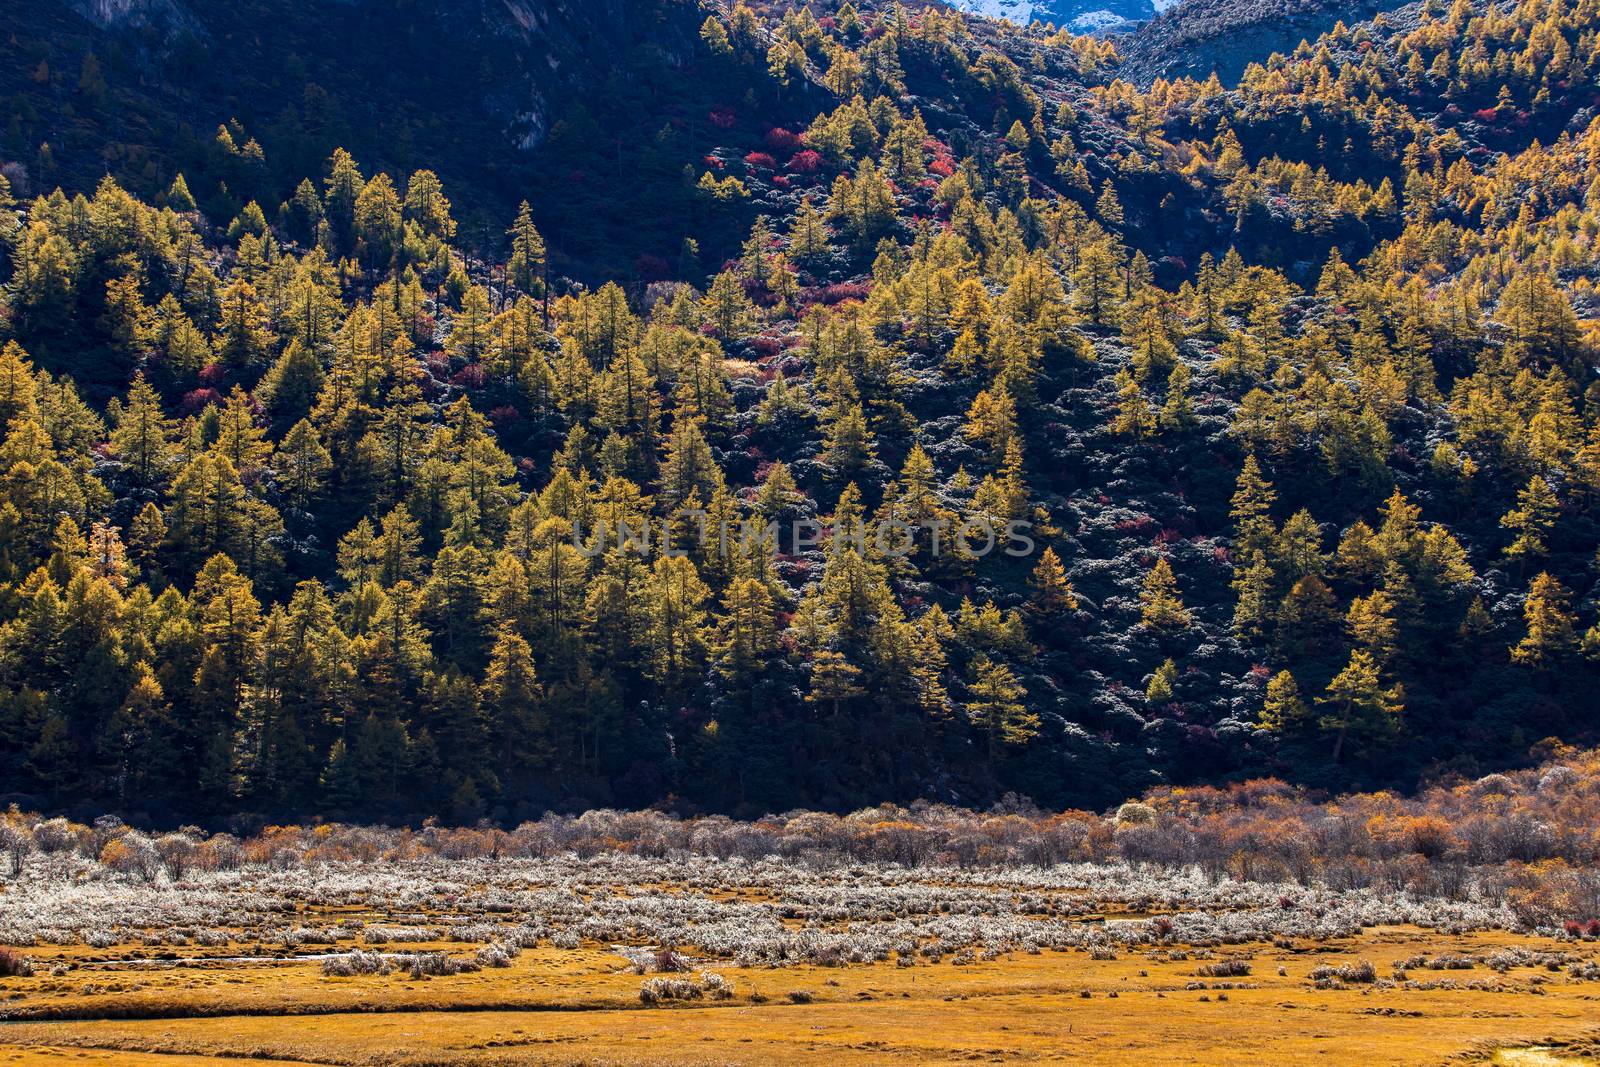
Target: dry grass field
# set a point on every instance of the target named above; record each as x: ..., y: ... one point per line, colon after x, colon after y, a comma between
x: 566, y: 960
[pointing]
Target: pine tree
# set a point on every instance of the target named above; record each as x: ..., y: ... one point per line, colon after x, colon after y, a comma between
x: 239, y: 438
x: 1134, y: 417
x: 727, y: 307
x: 290, y: 386
x: 142, y: 440
x: 997, y: 707
x: 19, y: 390
x: 992, y: 419
x: 1177, y: 413
x: 1251, y: 511
x: 525, y: 268
x: 1094, y: 285
x: 746, y: 637
x: 808, y: 235
x: 378, y: 222
x: 676, y: 633
x: 848, y: 440
x: 715, y: 36
x: 1361, y: 706
x: 1283, y: 712
x: 178, y: 196
x: 140, y: 737
x: 1160, y: 689
x: 1532, y: 520
x: 1371, y: 625
x: 470, y: 334
x: 833, y: 680
x: 427, y: 207
x: 1052, y: 593
x: 244, y: 340
x: 1161, y: 603
x: 513, y: 703
x: 1551, y: 625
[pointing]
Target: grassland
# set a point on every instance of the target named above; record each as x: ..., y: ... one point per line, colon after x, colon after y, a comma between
x: 819, y: 964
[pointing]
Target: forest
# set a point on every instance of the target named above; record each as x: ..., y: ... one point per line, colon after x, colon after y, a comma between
x: 1291, y: 383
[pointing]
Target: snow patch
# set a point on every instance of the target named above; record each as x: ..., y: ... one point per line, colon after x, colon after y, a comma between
x: 1017, y: 11
x: 1096, y: 20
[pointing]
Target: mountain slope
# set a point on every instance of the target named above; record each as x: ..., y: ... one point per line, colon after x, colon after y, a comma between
x: 1082, y: 16
x: 301, y: 481
x: 1199, y: 37
x: 473, y: 89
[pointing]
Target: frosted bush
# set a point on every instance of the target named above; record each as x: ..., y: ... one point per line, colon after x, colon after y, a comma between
x: 356, y: 962
x: 1348, y: 973
x: 707, y: 984
x: 498, y: 954
x: 435, y: 964
x: 383, y: 935
x: 1233, y: 967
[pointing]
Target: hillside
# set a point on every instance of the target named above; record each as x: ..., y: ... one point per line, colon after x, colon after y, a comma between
x: 1080, y: 16
x: 311, y: 436
x: 473, y: 90
x: 1202, y: 37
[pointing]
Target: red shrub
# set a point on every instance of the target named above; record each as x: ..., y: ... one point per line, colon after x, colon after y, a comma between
x: 197, y: 400
x: 722, y: 118
x: 504, y: 415
x: 471, y: 376
x: 782, y: 140
x: 942, y: 167
x: 760, y: 161
x: 1140, y: 526
x: 839, y: 292
x: 1488, y: 114
x: 805, y: 162
x: 212, y: 374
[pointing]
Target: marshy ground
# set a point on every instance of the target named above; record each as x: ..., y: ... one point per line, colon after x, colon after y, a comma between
x: 349, y: 963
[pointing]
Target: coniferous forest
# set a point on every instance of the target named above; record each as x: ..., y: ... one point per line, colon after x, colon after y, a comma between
x: 310, y: 437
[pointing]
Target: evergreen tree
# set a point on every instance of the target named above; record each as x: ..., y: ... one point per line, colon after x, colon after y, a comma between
x: 1161, y: 603
x: 1551, y: 626
x: 1283, y: 712
x: 997, y: 706
x: 1360, y: 706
